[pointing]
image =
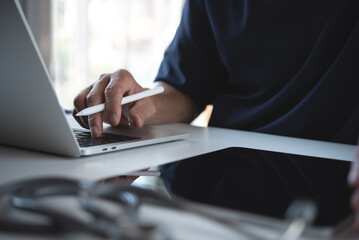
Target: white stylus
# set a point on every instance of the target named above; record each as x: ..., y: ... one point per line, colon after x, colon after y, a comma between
x: 125, y: 100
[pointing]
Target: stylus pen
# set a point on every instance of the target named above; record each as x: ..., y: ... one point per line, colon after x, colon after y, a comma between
x: 125, y: 100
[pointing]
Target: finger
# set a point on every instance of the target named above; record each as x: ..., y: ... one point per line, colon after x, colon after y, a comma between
x: 125, y: 118
x: 95, y: 124
x: 80, y: 104
x: 121, y: 84
x: 140, y: 112
x: 78, y: 119
x: 95, y: 97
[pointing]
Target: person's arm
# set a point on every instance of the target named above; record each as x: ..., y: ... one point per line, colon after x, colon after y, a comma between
x: 353, y: 179
x: 170, y: 106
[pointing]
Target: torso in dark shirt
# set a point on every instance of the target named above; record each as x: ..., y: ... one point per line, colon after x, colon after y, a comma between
x: 282, y: 67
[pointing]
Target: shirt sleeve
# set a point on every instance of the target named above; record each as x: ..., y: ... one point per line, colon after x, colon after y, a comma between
x: 191, y: 63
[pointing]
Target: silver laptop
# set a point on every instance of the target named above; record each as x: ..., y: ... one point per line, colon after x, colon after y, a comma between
x: 31, y: 116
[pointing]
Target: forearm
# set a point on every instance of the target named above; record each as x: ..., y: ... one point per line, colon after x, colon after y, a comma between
x: 172, y: 106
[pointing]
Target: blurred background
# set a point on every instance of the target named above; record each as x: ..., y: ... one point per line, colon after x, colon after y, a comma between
x: 81, y: 39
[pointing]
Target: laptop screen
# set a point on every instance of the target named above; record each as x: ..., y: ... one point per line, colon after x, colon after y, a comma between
x: 263, y: 182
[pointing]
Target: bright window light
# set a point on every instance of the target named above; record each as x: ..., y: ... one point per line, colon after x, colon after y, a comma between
x: 91, y: 37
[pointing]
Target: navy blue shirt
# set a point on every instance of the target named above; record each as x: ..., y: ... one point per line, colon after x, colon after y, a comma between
x: 287, y: 67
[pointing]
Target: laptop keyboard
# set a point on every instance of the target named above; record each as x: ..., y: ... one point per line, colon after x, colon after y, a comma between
x: 85, y: 139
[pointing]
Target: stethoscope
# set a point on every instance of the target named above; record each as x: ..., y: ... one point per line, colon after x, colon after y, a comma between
x: 25, y: 195
x: 122, y: 221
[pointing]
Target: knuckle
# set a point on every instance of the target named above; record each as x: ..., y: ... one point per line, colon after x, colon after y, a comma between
x: 76, y: 100
x: 110, y: 90
x: 122, y: 71
x: 122, y: 79
x: 80, y: 98
x: 124, y: 74
x: 101, y: 81
x: 91, y: 98
x: 102, y: 76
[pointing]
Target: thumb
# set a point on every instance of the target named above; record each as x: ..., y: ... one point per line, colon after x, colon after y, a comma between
x: 141, y: 112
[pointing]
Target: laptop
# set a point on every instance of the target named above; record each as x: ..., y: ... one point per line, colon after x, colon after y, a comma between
x: 31, y: 115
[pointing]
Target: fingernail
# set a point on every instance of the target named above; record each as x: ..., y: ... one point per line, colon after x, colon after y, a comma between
x: 94, y: 131
x: 114, y: 120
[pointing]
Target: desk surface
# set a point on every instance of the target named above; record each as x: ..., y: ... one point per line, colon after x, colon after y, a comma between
x: 17, y: 164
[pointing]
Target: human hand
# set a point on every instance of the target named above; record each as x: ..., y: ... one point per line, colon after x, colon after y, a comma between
x: 353, y: 180
x: 110, y: 89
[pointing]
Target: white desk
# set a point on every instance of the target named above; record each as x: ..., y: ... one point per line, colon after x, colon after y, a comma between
x: 16, y: 164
